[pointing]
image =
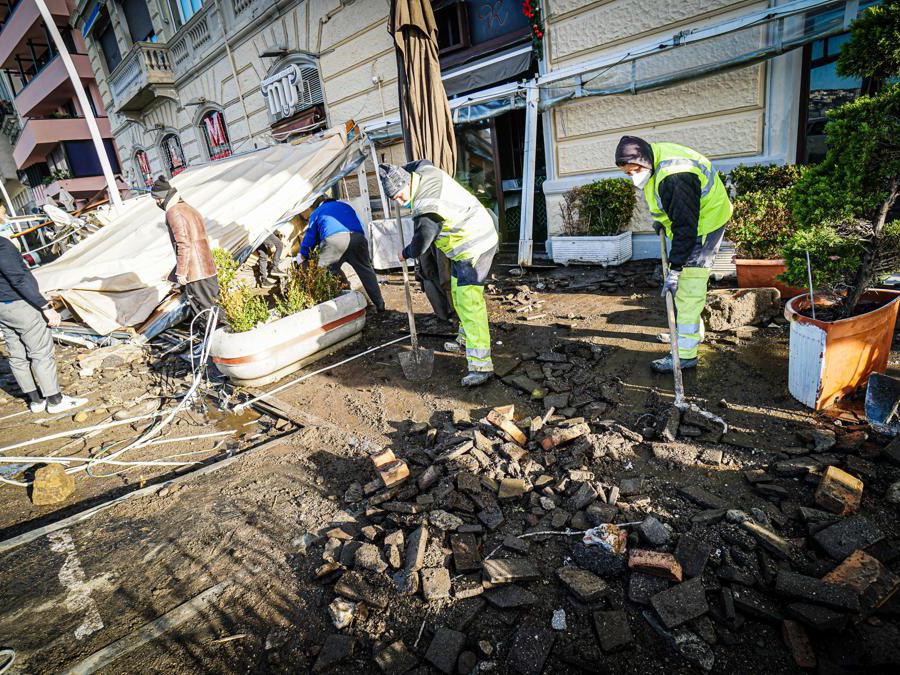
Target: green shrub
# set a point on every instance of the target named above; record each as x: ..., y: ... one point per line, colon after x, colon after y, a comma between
x: 863, y: 157
x: 307, y: 285
x: 601, y: 209
x: 761, y: 224
x: 767, y: 178
x: 243, y: 309
x: 833, y: 257
x: 874, y: 47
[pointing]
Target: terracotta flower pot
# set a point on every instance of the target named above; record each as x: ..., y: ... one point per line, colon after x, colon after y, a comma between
x: 752, y: 273
x: 830, y: 359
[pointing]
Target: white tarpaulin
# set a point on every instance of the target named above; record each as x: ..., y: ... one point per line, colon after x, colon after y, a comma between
x: 118, y: 276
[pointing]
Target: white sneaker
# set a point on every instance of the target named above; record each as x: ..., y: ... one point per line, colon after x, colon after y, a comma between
x: 453, y: 347
x: 38, y: 406
x: 67, y: 403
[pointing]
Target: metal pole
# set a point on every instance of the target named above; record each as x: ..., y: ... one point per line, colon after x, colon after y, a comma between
x: 10, y: 209
x: 80, y: 92
x: 526, y: 222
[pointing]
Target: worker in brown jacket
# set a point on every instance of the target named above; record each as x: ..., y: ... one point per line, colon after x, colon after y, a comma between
x: 195, y: 270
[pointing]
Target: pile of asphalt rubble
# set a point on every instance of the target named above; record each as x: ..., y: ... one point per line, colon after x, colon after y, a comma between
x: 473, y: 513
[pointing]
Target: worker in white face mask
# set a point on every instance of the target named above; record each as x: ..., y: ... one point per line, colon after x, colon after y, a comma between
x: 688, y: 201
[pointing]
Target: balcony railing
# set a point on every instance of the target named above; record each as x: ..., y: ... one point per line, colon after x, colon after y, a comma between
x: 197, y: 38
x: 144, y: 73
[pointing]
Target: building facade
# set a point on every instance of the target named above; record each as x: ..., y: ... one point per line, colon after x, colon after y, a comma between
x: 192, y: 81
x: 46, y: 150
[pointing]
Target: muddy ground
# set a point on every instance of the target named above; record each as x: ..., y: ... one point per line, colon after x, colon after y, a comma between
x: 251, y: 525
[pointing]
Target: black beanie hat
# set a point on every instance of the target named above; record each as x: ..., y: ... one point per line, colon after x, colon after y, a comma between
x: 393, y: 178
x: 634, y: 150
x: 161, y: 188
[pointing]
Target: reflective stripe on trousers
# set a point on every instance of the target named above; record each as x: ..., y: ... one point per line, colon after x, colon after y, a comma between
x: 473, y: 323
x: 690, y: 298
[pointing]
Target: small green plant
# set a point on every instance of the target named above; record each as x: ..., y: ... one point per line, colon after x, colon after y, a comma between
x: 306, y: 286
x: 602, y: 209
x: 243, y: 309
x: 766, y: 178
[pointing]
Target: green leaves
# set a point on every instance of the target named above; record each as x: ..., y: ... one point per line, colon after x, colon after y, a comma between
x: 600, y: 209
x: 833, y: 257
x: 874, y: 48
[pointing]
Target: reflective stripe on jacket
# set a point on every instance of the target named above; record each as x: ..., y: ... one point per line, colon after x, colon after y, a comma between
x: 671, y: 158
x: 467, y: 230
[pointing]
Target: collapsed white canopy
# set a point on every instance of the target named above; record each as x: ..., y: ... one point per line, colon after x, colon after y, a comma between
x: 119, y: 275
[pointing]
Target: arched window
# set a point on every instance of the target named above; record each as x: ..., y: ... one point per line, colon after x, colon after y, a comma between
x: 173, y: 155
x: 212, y: 128
x: 142, y: 161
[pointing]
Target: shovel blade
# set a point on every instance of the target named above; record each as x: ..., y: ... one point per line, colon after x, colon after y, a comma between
x: 883, y: 404
x: 417, y: 364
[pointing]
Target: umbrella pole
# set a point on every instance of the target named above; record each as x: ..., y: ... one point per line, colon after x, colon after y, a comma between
x: 401, y: 85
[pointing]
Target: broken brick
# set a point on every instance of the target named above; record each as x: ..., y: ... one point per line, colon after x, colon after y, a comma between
x: 564, y: 435
x: 507, y: 426
x: 872, y: 581
x: 653, y: 562
x: 839, y: 492
x: 798, y: 644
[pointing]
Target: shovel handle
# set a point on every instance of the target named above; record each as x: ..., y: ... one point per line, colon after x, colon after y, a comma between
x: 673, y: 330
x: 409, y: 307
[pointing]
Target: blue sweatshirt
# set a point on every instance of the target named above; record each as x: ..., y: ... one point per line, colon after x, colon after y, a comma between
x: 332, y: 217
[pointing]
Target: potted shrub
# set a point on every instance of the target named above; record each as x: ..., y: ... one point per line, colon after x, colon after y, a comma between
x: 310, y: 317
x: 844, y: 208
x: 762, y: 223
x: 595, y: 224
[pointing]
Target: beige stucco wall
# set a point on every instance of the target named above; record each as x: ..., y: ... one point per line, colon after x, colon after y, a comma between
x: 353, y: 47
x: 721, y: 116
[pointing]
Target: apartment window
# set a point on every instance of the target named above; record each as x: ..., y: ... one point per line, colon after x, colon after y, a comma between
x: 142, y: 163
x: 485, y: 23
x: 106, y: 38
x: 185, y: 9
x: 137, y: 15
x: 173, y: 155
x: 452, y: 25
x: 83, y: 160
x: 215, y: 134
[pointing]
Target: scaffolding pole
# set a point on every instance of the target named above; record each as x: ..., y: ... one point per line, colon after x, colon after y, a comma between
x: 526, y: 222
x: 83, y: 100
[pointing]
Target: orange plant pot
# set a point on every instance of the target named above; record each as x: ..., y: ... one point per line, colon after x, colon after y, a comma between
x: 830, y: 359
x: 753, y: 273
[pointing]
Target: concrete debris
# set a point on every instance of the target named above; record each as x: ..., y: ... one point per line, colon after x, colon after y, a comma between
x: 728, y: 309
x: 839, y: 492
x: 52, y: 485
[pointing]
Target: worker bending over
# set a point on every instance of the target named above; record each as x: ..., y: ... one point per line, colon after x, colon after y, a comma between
x: 688, y: 200
x: 445, y: 213
x: 337, y: 232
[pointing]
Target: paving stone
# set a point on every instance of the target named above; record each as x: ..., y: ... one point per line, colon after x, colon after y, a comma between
x: 816, y: 591
x: 466, y: 557
x: 613, y: 630
x: 631, y: 486
x: 435, y: 583
x: 355, y: 586
x: 584, y: 495
x: 681, y: 603
x: 692, y: 554
x: 642, y: 587
x: 708, y: 517
x: 872, y: 581
x: 429, y: 477
x: 368, y: 557
x: 798, y: 644
x: 530, y: 649
x: 336, y: 649
x: 395, y: 659
x: 515, y: 544
x: 756, y: 604
x: 656, y: 563
x: 444, y: 649
x: 510, y: 570
x: 52, y: 485
x: 584, y: 585
x: 562, y: 435
x: 511, y: 488
x: 468, y: 586
x: 703, y: 497
x: 510, y: 596
x: 415, y: 549
x: 491, y: 517
x: 444, y: 520
x: 669, y: 431
x: 839, y: 492
x: 653, y: 532
x: 846, y: 536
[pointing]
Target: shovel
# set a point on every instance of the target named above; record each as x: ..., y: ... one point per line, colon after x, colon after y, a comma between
x: 883, y: 404
x: 417, y: 363
x: 680, y: 402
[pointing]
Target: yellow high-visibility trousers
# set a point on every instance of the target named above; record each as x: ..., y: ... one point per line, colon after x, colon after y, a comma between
x: 467, y: 290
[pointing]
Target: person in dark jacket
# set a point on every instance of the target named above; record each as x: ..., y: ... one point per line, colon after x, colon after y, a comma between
x: 689, y: 202
x: 195, y: 270
x: 25, y: 320
x: 337, y: 232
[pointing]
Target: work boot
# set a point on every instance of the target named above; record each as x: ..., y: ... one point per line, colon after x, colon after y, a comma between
x: 453, y: 347
x: 665, y: 338
x: 476, y: 378
x: 664, y: 365
x: 65, y: 404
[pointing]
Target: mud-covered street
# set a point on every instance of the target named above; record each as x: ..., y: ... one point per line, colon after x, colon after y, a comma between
x: 250, y: 567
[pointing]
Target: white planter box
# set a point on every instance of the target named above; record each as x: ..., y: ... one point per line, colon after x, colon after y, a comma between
x: 591, y: 250
x: 269, y: 352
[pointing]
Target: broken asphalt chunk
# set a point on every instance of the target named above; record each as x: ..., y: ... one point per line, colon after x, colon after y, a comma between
x: 466, y: 557
x: 584, y: 585
x: 444, y: 649
x: 510, y: 596
x: 692, y: 555
x: 530, y: 648
x: 336, y: 649
x: 510, y: 570
x: 613, y: 630
x: 395, y: 659
x: 756, y: 604
x: 816, y: 591
x: 681, y: 603
x: 845, y: 536
x: 704, y: 498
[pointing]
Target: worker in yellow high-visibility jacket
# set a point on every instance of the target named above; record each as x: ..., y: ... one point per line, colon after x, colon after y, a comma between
x: 688, y: 201
x: 447, y: 214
